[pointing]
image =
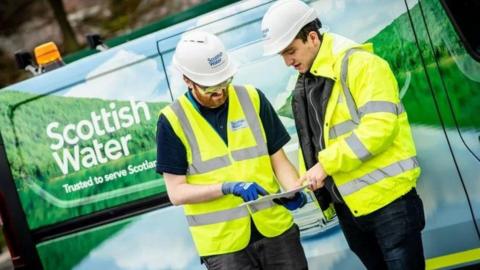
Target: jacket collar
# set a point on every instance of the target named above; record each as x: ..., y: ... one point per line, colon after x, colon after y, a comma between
x: 332, y: 47
x: 324, y: 61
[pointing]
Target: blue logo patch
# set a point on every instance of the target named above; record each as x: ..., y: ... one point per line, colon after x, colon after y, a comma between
x: 217, y: 59
x: 239, y: 124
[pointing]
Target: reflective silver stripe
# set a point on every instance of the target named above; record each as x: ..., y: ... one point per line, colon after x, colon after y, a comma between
x: 357, y: 147
x: 342, y: 128
x: 352, y: 108
x: 246, y: 153
x: 370, y: 107
x: 227, y: 215
x: 380, y: 106
x: 260, y: 206
x: 378, y: 175
x: 217, y: 217
x: 198, y: 166
x: 251, y: 116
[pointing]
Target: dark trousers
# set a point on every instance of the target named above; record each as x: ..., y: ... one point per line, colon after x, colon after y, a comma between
x: 282, y: 252
x: 389, y: 238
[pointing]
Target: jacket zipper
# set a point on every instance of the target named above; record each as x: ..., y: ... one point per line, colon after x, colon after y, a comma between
x: 321, y: 139
x: 318, y: 120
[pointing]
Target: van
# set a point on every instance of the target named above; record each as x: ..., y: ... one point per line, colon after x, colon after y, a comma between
x: 78, y: 188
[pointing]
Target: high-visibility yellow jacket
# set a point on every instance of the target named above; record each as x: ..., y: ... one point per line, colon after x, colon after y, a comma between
x: 369, y: 149
x: 221, y: 226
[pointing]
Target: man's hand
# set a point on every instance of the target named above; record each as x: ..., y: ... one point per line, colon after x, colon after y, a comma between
x: 315, y: 176
x: 249, y: 191
x: 295, y: 202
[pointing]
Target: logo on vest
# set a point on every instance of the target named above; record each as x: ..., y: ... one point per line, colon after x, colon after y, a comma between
x: 239, y: 124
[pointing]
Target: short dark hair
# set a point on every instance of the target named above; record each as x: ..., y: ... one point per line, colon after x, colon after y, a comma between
x: 309, y: 27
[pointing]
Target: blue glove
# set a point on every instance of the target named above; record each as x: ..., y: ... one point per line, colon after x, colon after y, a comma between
x: 249, y: 191
x: 295, y: 202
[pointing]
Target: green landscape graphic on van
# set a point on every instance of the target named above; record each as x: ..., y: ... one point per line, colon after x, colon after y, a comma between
x: 81, y: 139
x: 73, y: 156
x: 395, y: 44
x: 327, y: 249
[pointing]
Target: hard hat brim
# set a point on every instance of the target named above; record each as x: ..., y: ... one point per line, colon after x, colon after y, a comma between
x: 271, y: 47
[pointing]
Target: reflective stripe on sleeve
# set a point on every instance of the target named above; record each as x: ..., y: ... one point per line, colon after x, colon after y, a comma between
x: 357, y: 147
x: 352, y: 108
x: 371, y: 107
x: 378, y: 175
x: 342, y: 128
x: 380, y: 106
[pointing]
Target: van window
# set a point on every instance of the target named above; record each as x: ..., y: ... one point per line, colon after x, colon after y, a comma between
x: 464, y: 15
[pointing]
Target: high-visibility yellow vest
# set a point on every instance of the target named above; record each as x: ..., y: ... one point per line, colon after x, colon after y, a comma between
x: 370, y: 151
x: 221, y: 226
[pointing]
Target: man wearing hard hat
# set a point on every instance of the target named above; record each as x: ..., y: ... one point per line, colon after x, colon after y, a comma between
x: 354, y: 135
x: 220, y: 145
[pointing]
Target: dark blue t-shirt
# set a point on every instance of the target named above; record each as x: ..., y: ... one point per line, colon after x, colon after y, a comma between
x: 172, y: 156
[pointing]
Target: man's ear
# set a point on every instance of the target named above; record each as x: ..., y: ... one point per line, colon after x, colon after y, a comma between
x: 313, y: 36
x: 188, y: 82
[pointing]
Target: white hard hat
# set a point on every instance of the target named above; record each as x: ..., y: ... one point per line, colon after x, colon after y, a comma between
x: 282, y: 22
x: 202, y: 57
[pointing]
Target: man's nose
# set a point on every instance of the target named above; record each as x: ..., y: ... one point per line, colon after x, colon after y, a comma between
x: 288, y: 60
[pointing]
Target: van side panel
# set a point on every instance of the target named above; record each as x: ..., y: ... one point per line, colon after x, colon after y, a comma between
x: 86, y: 146
x: 458, y: 77
x: 80, y: 140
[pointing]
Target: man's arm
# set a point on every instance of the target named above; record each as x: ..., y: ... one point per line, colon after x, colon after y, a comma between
x: 288, y: 178
x: 180, y: 192
x: 277, y: 136
x: 172, y: 163
x: 378, y: 125
x: 284, y: 170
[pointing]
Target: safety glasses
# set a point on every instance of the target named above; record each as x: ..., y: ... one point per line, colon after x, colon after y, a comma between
x: 215, y: 88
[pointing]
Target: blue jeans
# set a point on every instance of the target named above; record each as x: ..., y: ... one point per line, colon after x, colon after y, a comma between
x: 389, y: 238
x: 281, y: 252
